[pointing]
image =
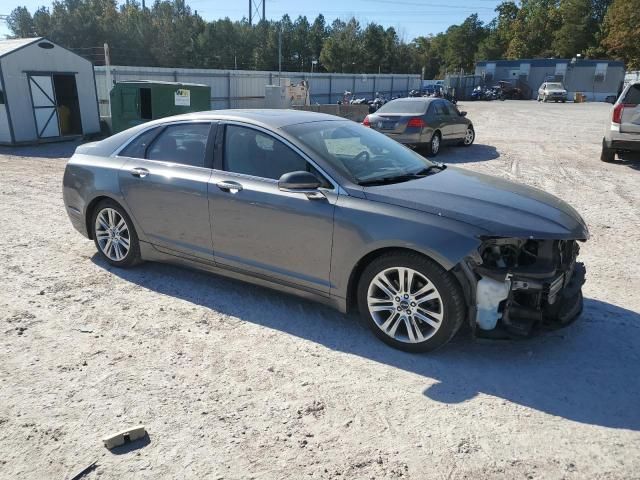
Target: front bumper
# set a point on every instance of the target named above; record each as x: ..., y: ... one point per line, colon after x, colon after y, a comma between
x: 514, y: 303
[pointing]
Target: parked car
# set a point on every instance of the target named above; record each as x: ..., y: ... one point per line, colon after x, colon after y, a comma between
x: 622, y: 132
x: 504, y: 90
x: 423, y: 123
x: 552, y: 91
x: 327, y: 209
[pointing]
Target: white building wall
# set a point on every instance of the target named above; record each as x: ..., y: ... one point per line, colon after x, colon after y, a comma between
x: 5, y: 133
x: 32, y: 58
x: 246, y: 88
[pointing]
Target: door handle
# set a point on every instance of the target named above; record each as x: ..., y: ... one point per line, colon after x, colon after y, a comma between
x: 139, y: 172
x: 233, y: 187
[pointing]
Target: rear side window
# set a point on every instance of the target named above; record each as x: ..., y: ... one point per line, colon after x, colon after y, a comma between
x: 633, y: 95
x: 138, y: 147
x: 185, y: 143
x: 441, y: 108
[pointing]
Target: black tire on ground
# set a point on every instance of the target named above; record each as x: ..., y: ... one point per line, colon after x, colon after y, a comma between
x: 133, y: 257
x: 564, y: 100
x: 608, y: 154
x: 432, y: 148
x: 453, y: 302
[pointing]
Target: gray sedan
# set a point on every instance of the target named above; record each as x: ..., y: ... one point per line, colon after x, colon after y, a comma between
x: 421, y: 123
x: 329, y: 210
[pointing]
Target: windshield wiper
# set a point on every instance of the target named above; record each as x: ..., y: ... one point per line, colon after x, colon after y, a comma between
x: 436, y: 167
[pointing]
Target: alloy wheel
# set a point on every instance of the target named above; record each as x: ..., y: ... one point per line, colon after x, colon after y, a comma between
x: 469, y: 136
x: 435, y: 144
x: 112, y: 234
x: 405, y: 305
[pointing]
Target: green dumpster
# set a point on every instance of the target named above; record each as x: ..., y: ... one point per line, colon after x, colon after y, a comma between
x: 137, y: 101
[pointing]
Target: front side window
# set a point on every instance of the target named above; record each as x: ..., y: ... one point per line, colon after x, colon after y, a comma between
x: 252, y: 152
x: 184, y: 143
x: 359, y: 153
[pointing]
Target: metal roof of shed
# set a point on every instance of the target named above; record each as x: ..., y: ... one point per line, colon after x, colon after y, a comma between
x: 11, y: 45
x: 547, y: 62
x: 160, y: 82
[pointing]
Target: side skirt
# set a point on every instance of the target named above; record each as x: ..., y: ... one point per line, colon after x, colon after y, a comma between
x: 151, y: 254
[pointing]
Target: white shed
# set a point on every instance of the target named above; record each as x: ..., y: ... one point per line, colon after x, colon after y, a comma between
x: 46, y: 92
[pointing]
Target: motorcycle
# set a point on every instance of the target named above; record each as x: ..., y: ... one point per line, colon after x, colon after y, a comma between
x: 377, y: 102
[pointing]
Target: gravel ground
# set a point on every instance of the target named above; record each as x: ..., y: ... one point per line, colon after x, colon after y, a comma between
x: 235, y: 381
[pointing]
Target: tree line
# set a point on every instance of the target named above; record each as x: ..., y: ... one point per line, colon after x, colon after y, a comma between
x: 170, y: 34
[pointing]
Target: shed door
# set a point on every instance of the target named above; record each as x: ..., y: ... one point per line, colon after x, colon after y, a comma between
x: 44, y: 106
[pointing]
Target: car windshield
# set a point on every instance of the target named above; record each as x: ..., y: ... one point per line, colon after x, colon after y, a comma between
x: 361, y: 154
x: 554, y: 86
x: 412, y: 107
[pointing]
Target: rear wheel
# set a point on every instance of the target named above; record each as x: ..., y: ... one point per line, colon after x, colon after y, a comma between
x: 433, y: 147
x: 114, y: 235
x: 608, y: 154
x: 410, y: 302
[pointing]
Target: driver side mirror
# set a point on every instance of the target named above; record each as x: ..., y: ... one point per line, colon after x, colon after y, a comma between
x: 301, y: 181
x: 463, y: 114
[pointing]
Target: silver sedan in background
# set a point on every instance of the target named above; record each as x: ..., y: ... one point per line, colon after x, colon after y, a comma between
x: 423, y: 123
x: 327, y: 209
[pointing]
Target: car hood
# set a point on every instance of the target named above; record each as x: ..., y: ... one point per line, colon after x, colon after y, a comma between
x: 555, y: 90
x: 499, y: 207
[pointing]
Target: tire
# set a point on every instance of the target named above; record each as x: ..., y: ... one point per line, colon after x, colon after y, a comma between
x: 608, y: 155
x: 468, y: 141
x: 411, y: 327
x: 564, y: 100
x: 433, y: 147
x: 111, y: 242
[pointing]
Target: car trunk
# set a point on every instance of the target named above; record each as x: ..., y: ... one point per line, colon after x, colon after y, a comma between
x: 390, y: 123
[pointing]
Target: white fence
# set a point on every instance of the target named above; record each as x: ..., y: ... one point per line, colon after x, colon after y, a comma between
x: 245, y: 88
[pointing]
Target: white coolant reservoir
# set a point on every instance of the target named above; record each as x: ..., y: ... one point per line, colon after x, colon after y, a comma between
x: 489, y: 294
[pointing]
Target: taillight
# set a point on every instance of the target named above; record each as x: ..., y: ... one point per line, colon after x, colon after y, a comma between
x: 366, y: 121
x: 416, y: 122
x: 617, y: 111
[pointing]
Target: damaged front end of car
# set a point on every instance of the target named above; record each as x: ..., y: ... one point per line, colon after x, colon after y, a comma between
x: 516, y: 285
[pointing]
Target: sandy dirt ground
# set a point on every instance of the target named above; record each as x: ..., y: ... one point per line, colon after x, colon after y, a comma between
x: 236, y: 382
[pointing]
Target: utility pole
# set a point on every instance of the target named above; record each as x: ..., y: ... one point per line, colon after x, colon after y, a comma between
x: 279, y: 52
x: 107, y: 66
x: 255, y: 7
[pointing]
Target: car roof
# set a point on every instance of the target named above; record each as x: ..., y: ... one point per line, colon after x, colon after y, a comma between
x: 414, y: 99
x: 271, y: 119
x: 267, y: 117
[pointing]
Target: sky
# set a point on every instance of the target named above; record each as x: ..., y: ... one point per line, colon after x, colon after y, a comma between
x: 410, y: 18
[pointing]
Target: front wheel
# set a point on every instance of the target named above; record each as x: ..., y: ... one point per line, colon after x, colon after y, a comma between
x: 433, y: 147
x: 410, y: 302
x: 114, y: 235
x: 469, y: 137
